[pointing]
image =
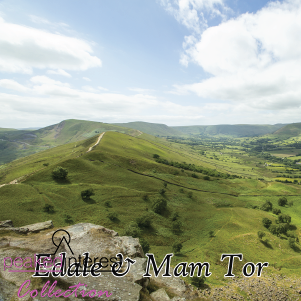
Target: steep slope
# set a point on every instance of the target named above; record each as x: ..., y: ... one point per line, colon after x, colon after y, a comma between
x: 20, y: 143
x: 155, y: 129
x: 236, y: 130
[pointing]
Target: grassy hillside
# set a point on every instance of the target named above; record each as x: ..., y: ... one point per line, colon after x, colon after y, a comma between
x: 127, y: 179
x: 20, y: 143
x: 155, y: 129
x: 237, y: 130
x: 288, y: 131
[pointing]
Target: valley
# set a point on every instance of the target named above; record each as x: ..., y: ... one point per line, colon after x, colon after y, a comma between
x: 217, y: 191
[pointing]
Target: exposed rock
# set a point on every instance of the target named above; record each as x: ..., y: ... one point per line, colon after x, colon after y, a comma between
x: 34, y: 228
x: 5, y: 224
x: 178, y: 299
x: 160, y: 295
x: 175, y: 285
x: 16, y: 230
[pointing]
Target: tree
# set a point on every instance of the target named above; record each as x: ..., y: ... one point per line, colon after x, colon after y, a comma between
x: 282, y: 201
x: 190, y: 194
x: 175, y: 216
x: 284, y: 218
x: 266, y: 222
x: 164, y: 184
x: 177, y: 227
x: 108, y: 204
x: 211, y: 233
x: 113, y: 216
x: 145, y: 198
x: 159, y: 205
x: 60, y: 173
x: 145, y: 245
x: 162, y: 191
x: 144, y: 221
x: 132, y: 229
x: 86, y: 194
x: 276, y: 211
x: 177, y: 247
x: 260, y: 234
x: 68, y: 219
x: 207, y: 178
x: 198, y: 281
x: 156, y: 156
x: 48, y: 208
x: 267, y: 206
x: 274, y: 229
x: 194, y: 175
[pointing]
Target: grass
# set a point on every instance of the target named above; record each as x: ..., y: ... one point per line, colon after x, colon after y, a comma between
x: 118, y: 170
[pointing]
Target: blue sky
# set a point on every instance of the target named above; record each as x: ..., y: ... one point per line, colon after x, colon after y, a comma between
x: 178, y: 62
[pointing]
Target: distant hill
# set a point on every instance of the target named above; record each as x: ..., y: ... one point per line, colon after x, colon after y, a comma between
x: 15, y: 144
x: 236, y: 130
x: 155, y: 129
x: 290, y: 130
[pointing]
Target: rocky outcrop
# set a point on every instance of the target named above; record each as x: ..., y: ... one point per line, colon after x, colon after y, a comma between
x: 34, y: 228
x: 6, y: 224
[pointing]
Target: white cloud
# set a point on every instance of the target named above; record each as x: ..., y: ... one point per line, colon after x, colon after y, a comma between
x: 59, y: 72
x: 48, y: 97
x: 254, y: 59
x: 102, y: 88
x: 140, y: 90
x: 39, y: 20
x: 23, y: 48
x: 13, y: 85
x: 191, y: 12
x: 89, y: 89
x: 87, y: 79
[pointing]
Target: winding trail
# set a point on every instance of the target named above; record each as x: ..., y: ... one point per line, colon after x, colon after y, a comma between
x: 97, y: 142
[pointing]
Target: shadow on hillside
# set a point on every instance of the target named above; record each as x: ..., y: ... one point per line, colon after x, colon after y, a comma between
x: 292, y: 227
x: 266, y: 244
x: 89, y: 200
x: 296, y: 249
x: 62, y: 181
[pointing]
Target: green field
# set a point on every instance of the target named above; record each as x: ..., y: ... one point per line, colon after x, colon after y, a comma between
x: 126, y: 179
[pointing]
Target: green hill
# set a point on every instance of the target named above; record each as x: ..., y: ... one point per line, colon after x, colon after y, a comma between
x: 237, y: 130
x: 127, y: 180
x: 154, y: 129
x: 20, y: 143
x: 288, y: 131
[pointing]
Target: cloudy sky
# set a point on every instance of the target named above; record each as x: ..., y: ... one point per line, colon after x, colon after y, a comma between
x: 178, y: 62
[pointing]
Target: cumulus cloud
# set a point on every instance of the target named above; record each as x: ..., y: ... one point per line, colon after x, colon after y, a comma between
x: 23, y: 48
x: 87, y: 79
x: 13, y: 85
x: 48, y: 97
x: 59, y: 72
x: 254, y: 58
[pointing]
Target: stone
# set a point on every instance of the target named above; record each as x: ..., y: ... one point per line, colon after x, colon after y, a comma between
x: 34, y: 228
x: 6, y: 224
x: 160, y: 295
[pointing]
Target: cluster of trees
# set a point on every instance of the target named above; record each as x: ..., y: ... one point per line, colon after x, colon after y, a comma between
x: 194, y: 168
x: 281, y: 227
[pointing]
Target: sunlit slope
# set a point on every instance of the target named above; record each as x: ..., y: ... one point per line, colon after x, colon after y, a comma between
x: 20, y: 143
x: 121, y: 170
